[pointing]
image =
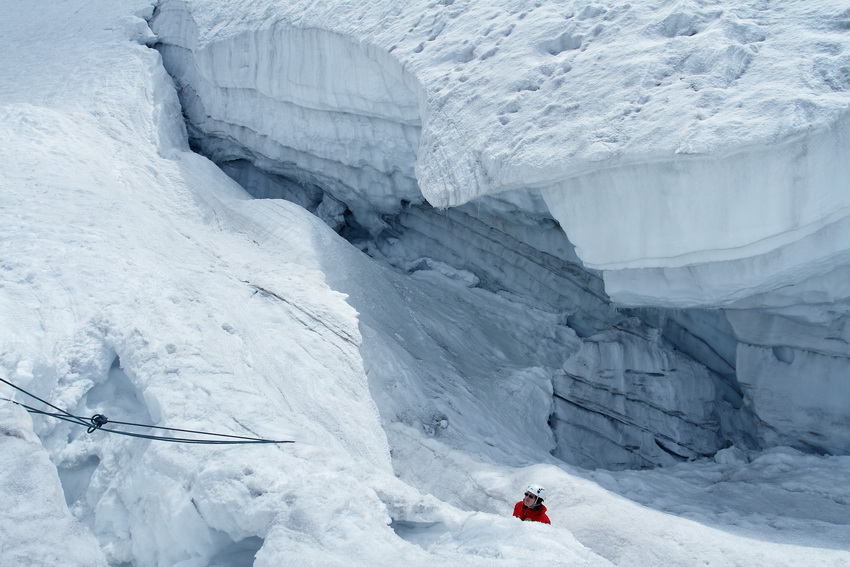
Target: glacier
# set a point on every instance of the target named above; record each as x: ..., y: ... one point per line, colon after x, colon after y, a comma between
x: 649, y: 145
x: 448, y: 249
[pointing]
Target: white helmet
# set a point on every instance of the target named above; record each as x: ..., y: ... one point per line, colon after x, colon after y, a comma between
x: 536, y: 490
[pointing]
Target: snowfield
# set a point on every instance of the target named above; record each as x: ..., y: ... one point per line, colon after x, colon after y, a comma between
x: 141, y: 282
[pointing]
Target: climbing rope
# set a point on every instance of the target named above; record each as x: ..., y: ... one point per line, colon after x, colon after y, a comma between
x: 98, y: 420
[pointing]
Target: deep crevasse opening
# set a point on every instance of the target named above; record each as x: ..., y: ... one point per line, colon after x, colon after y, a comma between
x: 265, y: 107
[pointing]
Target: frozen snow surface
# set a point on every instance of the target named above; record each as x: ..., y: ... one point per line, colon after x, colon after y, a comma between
x: 472, y: 354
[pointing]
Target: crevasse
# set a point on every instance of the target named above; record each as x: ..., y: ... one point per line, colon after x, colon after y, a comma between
x: 684, y: 175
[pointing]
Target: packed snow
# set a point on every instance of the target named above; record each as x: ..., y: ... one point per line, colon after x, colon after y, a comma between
x: 141, y: 282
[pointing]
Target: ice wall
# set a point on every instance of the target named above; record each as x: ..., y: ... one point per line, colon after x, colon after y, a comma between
x: 306, y: 103
x: 689, y: 152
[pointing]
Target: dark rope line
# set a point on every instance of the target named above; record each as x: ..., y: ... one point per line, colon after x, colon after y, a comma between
x: 73, y: 419
x: 76, y: 421
x: 36, y: 397
x: 180, y: 430
x: 97, y: 421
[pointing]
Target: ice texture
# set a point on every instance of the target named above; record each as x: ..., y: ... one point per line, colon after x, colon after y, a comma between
x: 624, y: 394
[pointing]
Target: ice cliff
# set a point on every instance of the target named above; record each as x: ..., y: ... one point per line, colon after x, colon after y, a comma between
x: 685, y: 159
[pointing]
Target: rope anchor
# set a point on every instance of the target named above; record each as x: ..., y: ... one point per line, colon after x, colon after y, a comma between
x: 98, y: 420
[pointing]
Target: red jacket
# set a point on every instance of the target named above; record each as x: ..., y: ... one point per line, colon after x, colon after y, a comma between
x: 526, y: 514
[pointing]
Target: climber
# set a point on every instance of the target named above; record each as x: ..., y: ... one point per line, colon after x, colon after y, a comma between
x: 531, y: 508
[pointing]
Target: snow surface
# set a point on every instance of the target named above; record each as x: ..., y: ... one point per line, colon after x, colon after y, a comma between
x: 141, y: 282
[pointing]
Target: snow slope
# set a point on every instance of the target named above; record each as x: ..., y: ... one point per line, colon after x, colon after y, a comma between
x: 139, y: 281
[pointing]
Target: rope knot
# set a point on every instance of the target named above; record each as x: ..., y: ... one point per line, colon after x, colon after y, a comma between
x: 98, y: 420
